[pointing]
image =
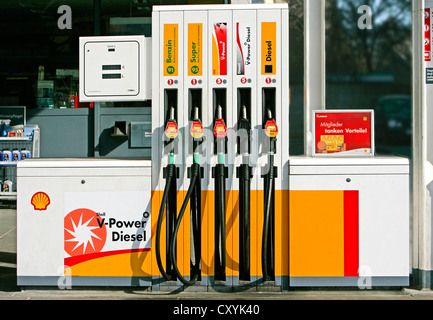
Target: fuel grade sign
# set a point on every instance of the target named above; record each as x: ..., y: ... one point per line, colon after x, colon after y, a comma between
x: 343, y: 133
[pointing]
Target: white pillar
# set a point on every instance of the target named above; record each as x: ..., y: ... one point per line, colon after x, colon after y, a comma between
x: 422, y: 168
x: 314, y: 65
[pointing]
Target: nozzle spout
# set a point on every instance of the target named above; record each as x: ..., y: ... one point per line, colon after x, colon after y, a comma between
x: 172, y: 113
x: 219, y: 112
x: 244, y: 112
x: 269, y: 113
x: 196, y: 116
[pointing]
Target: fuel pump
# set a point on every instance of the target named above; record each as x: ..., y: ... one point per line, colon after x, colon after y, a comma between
x: 192, y: 195
x: 232, y: 63
x: 244, y: 174
x: 169, y: 197
x: 271, y: 131
x: 220, y: 132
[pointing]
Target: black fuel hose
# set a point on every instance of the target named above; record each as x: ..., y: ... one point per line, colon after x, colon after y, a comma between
x: 266, y: 222
x: 244, y: 197
x: 195, y: 171
x: 195, y: 204
x: 170, y: 173
x: 220, y: 245
x: 245, y: 218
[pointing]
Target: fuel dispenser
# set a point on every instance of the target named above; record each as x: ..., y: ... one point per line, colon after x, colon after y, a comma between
x: 205, y: 212
x: 228, y: 66
x: 216, y: 214
x: 271, y: 185
x: 245, y: 119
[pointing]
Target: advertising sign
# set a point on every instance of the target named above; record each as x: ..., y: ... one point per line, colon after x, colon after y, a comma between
x: 195, y: 35
x: 171, y: 49
x: 269, y: 50
x: 343, y: 133
x: 17, y: 115
x: 243, y: 49
x: 219, y: 49
x: 427, y: 34
x: 428, y: 37
x: 108, y: 228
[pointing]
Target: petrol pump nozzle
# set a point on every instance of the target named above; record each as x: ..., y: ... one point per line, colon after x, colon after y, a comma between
x: 196, y: 133
x: 219, y: 112
x: 220, y: 132
x: 172, y: 113
x: 197, y: 127
x: 271, y: 128
x: 269, y: 114
x: 171, y: 129
x: 244, y: 124
x: 196, y: 113
x: 220, y: 129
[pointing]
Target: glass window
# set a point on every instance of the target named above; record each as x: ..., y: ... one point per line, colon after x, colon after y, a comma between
x: 39, y: 52
x: 38, y: 58
x: 368, y: 66
x: 296, y: 76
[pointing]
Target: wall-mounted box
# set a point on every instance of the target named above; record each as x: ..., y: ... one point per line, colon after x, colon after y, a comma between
x: 114, y: 68
x: 140, y: 134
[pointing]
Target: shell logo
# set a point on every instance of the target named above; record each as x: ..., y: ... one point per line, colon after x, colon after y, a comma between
x: 84, y: 232
x: 40, y: 201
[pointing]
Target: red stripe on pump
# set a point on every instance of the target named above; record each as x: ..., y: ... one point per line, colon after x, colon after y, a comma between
x: 351, y: 233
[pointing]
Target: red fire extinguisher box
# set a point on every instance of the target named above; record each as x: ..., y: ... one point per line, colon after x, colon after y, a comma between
x: 343, y: 133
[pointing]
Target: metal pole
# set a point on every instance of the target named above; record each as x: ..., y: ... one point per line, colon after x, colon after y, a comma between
x: 314, y: 65
x: 422, y: 163
x: 417, y: 8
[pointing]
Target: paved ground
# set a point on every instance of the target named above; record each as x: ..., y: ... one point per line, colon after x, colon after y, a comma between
x: 10, y: 291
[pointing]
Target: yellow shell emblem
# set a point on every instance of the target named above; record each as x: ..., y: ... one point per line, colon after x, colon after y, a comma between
x: 40, y: 201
